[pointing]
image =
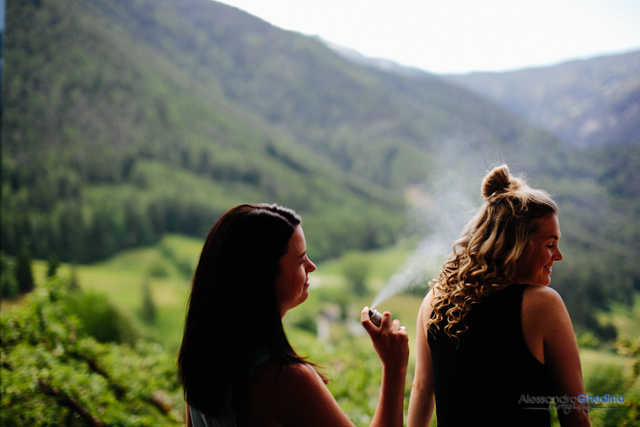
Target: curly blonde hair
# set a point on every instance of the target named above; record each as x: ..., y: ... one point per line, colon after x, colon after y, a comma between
x: 484, y: 257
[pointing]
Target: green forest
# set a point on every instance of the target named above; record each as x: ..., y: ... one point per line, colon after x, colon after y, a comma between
x: 129, y: 126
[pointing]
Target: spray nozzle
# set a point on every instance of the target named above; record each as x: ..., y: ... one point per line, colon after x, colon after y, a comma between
x: 375, y: 316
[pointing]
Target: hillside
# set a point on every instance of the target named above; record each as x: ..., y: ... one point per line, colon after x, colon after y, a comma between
x: 109, y: 142
x: 126, y: 120
x: 587, y: 103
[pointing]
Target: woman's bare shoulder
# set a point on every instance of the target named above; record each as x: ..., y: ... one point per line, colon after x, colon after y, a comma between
x: 543, y: 310
x: 300, y: 374
x: 293, y: 394
x: 541, y: 296
x: 285, y: 380
x: 272, y: 374
x: 426, y: 308
x: 274, y: 387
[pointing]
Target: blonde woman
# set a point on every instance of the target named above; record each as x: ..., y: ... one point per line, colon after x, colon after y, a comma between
x: 495, y: 344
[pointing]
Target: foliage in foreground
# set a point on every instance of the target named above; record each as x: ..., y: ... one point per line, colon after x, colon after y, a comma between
x: 55, y: 371
x: 52, y: 374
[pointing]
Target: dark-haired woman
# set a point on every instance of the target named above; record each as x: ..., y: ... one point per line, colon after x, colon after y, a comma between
x: 495, y: 344
x: 236, y: 364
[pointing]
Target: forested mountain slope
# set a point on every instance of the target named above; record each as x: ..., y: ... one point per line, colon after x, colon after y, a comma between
x: 108, y: 141
x: 124, y: 120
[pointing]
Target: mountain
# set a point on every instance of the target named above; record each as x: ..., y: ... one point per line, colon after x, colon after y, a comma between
x: 587, y: 103
x: 125, y: 120
x: 117, y: 130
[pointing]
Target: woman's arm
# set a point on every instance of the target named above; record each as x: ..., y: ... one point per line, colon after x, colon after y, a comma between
x: 391, y: 342
x: 422, y: 400
x: 545, y: 320
x: 187, y: 414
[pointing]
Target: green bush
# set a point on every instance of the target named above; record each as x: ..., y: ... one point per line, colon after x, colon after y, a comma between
x: 100, y: 319
x: 608, y: 380
x: 54, y: 375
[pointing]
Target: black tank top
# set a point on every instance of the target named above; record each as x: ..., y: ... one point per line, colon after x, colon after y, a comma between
x: 490, y: 377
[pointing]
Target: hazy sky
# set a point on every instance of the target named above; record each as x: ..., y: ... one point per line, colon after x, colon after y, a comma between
x: 462, y: 35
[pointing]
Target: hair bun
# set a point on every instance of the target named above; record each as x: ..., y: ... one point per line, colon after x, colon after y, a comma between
x: 498, y: 180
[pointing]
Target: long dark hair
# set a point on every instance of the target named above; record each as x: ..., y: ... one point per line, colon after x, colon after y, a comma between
x: 233, y: 307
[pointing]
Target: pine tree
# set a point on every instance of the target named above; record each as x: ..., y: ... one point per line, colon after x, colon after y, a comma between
x: 23, y: 271
x: 8, y: 284
x: 74, y: 283
x: 148, y: 306
x: 52, y: 265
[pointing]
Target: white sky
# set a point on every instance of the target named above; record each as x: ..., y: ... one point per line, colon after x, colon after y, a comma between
x: 457, y: 36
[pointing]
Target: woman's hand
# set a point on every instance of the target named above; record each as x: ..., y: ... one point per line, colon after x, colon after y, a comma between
x: 390, y: 340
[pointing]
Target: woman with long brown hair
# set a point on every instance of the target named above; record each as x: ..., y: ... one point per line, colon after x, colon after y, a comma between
x: 236, y: 364
x: 495, y: 344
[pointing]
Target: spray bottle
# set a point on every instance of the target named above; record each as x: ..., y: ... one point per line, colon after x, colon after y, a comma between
x: 375, y: 316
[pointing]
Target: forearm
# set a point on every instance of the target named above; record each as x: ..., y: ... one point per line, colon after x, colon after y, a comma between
x: 421, y: 406
x: 187, y: 414
x: 390, y: 408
